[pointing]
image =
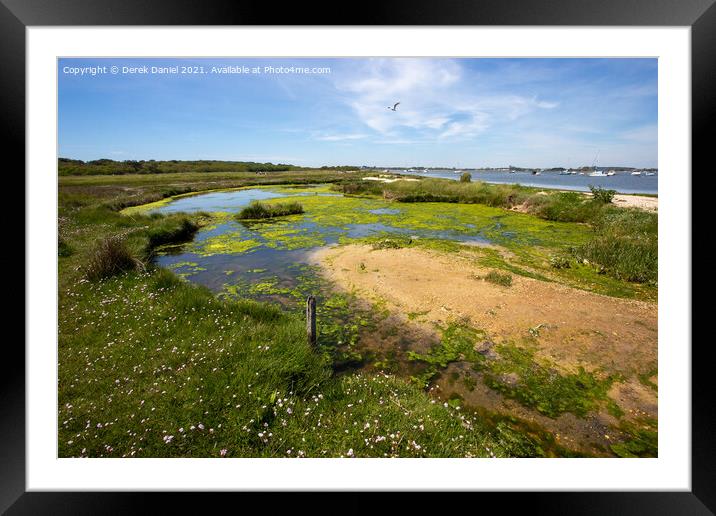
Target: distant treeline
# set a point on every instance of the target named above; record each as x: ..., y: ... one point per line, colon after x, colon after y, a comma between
x: 76, y: 167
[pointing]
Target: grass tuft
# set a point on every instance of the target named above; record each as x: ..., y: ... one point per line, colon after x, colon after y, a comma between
x: 110, y: 257
x: 499, y: 278
x: 258, y: 210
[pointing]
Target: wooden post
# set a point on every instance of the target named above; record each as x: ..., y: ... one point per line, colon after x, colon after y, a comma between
x: 311, y: 320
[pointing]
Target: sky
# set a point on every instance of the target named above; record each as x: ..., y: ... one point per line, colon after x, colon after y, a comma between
x: 464, y: 113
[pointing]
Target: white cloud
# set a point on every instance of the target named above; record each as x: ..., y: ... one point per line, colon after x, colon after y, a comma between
x: 437, y: 100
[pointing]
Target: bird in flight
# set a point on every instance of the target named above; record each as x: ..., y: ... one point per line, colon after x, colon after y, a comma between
x: 394, y: 106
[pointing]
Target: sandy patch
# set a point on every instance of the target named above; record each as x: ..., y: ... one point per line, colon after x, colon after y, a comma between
x: 637, y: 201
x: 575, y: 328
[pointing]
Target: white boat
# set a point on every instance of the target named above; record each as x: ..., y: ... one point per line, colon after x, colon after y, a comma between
x: 595, y: 172
x: 611, y: 173
x: 636, y: 173
x: 650, y: 173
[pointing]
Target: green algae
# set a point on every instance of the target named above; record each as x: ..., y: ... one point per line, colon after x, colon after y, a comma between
x: 515, y: 372
x: 143, y: 209
x: 540, y: 385
x: 517, y: 243
x: 642, y: 439
x: 227, y: 244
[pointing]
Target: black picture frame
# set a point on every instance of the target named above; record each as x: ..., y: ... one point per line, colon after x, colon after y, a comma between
x: 17, y: 15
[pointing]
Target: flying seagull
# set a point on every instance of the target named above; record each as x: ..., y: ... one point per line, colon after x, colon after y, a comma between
x: 394, y: 106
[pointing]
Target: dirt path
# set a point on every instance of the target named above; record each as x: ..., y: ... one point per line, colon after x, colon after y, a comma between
x: 574, y: 328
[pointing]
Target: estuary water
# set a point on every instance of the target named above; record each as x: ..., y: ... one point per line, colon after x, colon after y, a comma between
x: 622, y: 182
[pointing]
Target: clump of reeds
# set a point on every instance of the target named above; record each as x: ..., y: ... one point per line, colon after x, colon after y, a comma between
x: 110, y: 257
x: 258, y: 210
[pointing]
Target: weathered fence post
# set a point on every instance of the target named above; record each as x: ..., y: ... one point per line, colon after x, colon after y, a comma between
x: 311, y: 320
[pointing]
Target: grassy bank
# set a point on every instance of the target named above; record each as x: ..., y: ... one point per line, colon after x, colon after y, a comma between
x: 150, y: 365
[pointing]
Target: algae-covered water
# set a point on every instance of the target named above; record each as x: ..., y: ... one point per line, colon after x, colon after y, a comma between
x: 268, y: 260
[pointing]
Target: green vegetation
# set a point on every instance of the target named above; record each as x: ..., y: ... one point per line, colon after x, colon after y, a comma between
x: 499, y: 278
x: 258, y: 210
x: 642, y: 440
x: 515, y: 372
x: 602, y: 195
x: 465, y: 177
x: 625, y: 244
x: 152, y: 366
x: 457, y: 343
x: 161, y: 367
x: 69, y: 167
x: 564, y: 206
x: 63, y: 248
x: 170, y: 230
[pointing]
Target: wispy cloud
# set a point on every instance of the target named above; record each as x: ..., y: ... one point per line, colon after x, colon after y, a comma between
x: 436, y: 100
x: 340, y: 137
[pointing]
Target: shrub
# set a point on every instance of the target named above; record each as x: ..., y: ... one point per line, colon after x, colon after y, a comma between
x: 559, y: 262
x: 465, y: 177
x: 110, y: 257
x: 602, y: 195
x: 566, y: 207
x: 258, y: 210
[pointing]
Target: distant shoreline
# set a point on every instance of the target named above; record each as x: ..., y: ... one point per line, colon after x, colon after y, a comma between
x: 622, y: 183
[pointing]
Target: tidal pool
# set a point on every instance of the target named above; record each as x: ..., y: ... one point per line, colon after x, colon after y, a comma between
x: 231, y: 256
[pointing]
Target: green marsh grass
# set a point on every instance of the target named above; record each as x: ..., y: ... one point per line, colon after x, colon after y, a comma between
x: 259, y: 210
x: 625, y: 243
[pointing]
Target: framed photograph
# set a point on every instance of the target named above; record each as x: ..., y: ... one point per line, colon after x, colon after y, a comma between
x: 434, y: 250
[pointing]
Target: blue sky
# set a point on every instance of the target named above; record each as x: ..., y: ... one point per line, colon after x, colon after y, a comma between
x: 453, y: 112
